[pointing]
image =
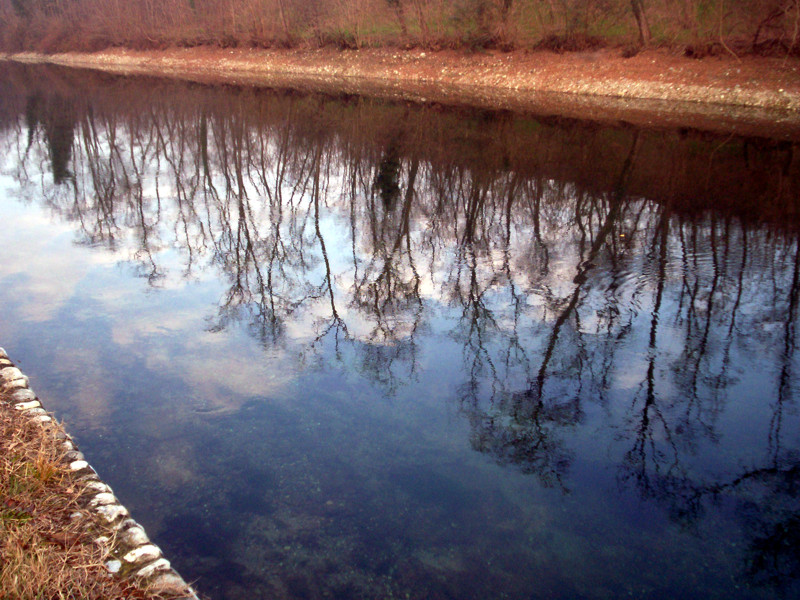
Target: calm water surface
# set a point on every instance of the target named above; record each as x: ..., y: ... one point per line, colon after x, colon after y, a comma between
x: 344, y: 348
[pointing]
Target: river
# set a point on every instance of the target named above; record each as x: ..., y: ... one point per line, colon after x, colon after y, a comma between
x: 338, y: 347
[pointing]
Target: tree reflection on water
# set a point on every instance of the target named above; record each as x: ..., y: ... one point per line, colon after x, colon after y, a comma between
x: 604, y: 270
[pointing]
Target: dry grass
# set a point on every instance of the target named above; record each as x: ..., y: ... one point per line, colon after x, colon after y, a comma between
x: 43, y: 553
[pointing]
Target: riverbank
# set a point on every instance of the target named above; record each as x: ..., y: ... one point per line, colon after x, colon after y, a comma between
x: 63, y: 533
x: 752, y: 94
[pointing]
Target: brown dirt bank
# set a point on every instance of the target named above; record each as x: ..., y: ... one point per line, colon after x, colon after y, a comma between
x: 753, y: 95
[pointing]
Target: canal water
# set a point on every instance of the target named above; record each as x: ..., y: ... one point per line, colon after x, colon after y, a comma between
x: 338, y: 347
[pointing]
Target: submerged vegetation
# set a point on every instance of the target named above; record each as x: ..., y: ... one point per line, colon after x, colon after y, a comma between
x: 698, y: 27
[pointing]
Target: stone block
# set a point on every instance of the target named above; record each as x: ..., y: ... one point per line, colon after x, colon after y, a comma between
x: 142, y: 554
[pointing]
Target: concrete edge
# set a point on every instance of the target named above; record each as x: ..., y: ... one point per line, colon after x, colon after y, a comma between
x: 131, y: 552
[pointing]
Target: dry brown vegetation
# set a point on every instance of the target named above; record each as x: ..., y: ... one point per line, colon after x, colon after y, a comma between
x: 697, y: 27
x: 44, y: 554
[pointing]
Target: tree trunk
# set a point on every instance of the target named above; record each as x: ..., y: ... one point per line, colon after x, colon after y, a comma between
x: 284, y: 22
x: 401, y: 17
x: 641, y: 21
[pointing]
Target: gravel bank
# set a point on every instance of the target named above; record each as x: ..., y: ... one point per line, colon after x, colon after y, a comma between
x: 756, y: 95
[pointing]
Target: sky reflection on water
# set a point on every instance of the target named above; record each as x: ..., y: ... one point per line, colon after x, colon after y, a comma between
x: 337, y: 347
